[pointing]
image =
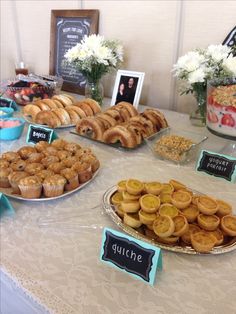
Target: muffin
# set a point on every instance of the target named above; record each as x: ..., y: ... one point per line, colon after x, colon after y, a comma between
x: 63, y: 154
x: 25, y: 151
x: 56, y: 167
x: 50, y: 151
x: 34, y: 167
x: 71, y: 177
x: 18, y: 165
x: 4, y: 181
x: 70, y: 161
x: 72, y: 147
x: 84, y: 171
x: 92, y: 160
x: 30, y: 187
x: 14, y: 179
x: 59, y: 143
x: 4, y: 163
x: 41, y: 146
x: 35, y: 157
x: 10, y: 156
x: 83, y: 151
x: 46, y: 161
x: 43, y: 174
x: 54, y: 186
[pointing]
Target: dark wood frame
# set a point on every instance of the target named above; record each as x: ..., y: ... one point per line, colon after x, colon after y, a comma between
x: 93, y: 15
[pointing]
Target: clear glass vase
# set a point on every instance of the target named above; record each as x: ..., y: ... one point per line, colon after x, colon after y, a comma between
x: 94, y: 90
x: 198, y: 116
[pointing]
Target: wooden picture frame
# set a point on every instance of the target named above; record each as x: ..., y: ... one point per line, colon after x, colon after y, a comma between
x: 68, y: 27
x: 130, y: 92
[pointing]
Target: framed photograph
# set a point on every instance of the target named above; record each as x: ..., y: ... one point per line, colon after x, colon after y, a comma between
x: 68, y: 27
x: 128, y: 87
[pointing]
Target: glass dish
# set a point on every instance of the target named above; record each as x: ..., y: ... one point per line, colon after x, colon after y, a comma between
x: 177, y: 146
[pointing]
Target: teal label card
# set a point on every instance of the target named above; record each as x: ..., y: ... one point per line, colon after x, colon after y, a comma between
x: 36, y: 134
x: 130, y: 255
x: 5, y: 206
x: 217, y: 165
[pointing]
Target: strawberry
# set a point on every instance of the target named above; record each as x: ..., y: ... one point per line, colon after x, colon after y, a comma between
x: 228, y: 120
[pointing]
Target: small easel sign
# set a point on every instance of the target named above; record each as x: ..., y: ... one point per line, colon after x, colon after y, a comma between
x: 36, y: 134
x: 217, y: 165
x: 130, y: 255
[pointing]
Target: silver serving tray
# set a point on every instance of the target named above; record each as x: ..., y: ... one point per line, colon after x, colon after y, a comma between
x: 8, y: 192
x: 29, y: 120
x: 110, y: 210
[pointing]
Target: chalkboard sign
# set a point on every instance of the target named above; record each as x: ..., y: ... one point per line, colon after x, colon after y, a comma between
x: 217, y: 165
x: 37, y: 134
x: 67, y: 29
x: 131, y: 255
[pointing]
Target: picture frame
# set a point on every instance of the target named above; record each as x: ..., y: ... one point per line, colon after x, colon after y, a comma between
x: 68, y: 27
x: 128, y: 87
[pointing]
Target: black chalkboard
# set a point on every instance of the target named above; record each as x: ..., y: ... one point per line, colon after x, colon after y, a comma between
x: 128, y: 255
x: 67, y: 29
x: 230, y: 40
x: 36, y: 134
x: 217, y: 165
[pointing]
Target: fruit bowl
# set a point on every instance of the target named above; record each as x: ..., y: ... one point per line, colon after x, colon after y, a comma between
x: 6, y: 112
x: 11, y: 128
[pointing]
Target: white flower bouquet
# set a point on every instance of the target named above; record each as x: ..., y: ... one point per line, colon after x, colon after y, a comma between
x: 94, y: 56
x: 200, y: 65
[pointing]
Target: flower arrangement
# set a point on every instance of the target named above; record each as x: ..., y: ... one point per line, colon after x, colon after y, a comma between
x: 95, y: 56
x: 200, y: 65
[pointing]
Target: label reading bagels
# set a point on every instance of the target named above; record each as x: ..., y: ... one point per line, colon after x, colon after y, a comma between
x: 217, y: 165
x: 130, y: 255
x: 37, y: 134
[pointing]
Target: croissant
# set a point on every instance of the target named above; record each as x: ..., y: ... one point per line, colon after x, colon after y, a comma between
x: 31, y: 110
x: 126, y: 137
x: 91, y: 126
x: 49, y: 118
x: 132, y: 110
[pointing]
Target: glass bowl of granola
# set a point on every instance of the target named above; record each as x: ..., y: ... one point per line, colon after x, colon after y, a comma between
x: 177, y: 146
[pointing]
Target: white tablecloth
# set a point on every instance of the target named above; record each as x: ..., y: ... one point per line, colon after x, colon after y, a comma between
x: 57, y: 269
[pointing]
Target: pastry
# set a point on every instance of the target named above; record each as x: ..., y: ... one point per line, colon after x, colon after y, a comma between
x: 177, y: 185
x: 218, y: 236
x: 31, y: 110
x: 84, y: 171
x: 121, y: 186
x: 134, y: 187
x: 167, y: 209
x: 30, y: 187
x: 78, y: 111
x: 50, y: 151
x: 93, y: 105
x: 130, y: 206
x: 146, y: 218
x: 119, y: 133
x: 191, y: 212
x: 117, y: 198
x: 181, y: 199
x: 181, y: 225
x: 153, y: 188
x: 72, y: 147
x: 62, y: 115
x: 167, y: 188
x: 63, y: 154
x: 54, y: 186
x: 208, y: 222
x: 42, y: 174
x: 10, y: 156
x: 46, y: 161
x: 92, y: 160
x: 4, y: 163
x: 132, y: 220
x: 163, y: 226
x: 149, y: 203
x: 224, y: 208
x: 92, y: 127
x: 228, y: 225
x: 41, y: 145
x: 71, y: 177
x: 207, y: 205
x: 59, y: 143
x: 186, y: 237
x: 202, y: 241
x: 168, y: 240
x: 70, y: 161
x: 56, y: 167
x: 48, y: 117
x: 35, y: 157
x: 130, y: 197
x: 85, y: 107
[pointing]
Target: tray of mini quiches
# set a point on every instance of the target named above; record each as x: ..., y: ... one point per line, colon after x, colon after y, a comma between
x: 172, y: 216
x: 47, y: 171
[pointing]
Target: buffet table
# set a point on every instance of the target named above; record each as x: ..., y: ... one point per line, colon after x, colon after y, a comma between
x: 55, y: 267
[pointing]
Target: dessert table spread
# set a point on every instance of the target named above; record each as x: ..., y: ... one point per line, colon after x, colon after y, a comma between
x: 55, y: 267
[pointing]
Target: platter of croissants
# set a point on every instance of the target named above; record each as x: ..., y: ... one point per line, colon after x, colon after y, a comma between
x: 172, y: 216
x: 47, y: 171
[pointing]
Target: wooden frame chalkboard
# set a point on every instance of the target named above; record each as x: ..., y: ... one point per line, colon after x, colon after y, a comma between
x: 68, y: 27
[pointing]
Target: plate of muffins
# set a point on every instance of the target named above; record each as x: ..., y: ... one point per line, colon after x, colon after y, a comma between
x: 47, y: 171
x: 172, y: 216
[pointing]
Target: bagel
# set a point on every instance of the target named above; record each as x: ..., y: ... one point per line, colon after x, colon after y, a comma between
x: 132, y: 110
x: 79, y: 111
x: 92, y: 127
x: 47, y: 117
x: 72, y: 98
x: 50, y: 103
x: 31, y: 110
x: 93, y: 105
x: 119, y: 133
x: 63, y: 115
x: 65, y: 101
x: 58, y: 103
x: 41, y: 105
x: 74, y: 117
x: 85, y: 107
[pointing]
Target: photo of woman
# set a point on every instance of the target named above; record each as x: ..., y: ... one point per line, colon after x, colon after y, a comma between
x: 127, y: 89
